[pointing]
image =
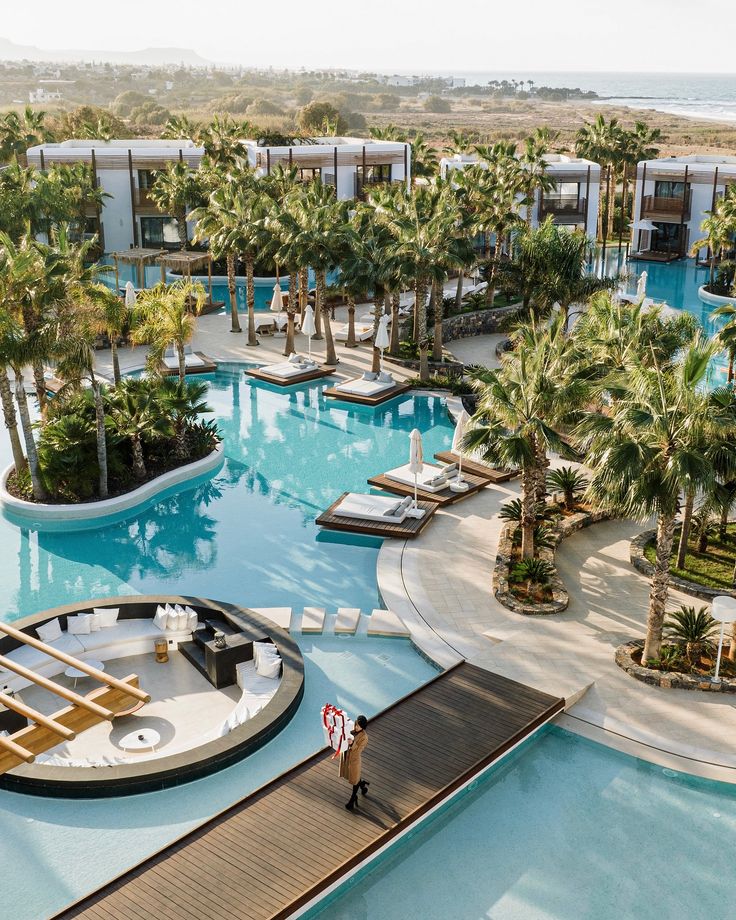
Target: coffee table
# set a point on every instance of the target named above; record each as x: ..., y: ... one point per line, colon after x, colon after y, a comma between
x: 76, y: 673
x: 142, y: 739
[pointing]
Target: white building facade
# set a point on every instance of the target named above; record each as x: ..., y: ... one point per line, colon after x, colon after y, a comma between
x: 671, y: 199
x: 125, y: 169
x: 574, y: 200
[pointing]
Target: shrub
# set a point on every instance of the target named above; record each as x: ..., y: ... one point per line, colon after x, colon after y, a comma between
x: 724, y: 284
x: 532, y: 571
x: 437, y: 104
x: 692, y: 627
x: 571, y: 482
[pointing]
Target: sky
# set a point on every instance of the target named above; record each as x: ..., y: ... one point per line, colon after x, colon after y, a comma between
x: 398, y: 35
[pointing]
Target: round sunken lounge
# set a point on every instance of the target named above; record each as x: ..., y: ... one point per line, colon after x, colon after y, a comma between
x: 194, y: 676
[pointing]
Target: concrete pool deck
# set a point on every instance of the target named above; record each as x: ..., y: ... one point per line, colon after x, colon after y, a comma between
x: 440, y: 585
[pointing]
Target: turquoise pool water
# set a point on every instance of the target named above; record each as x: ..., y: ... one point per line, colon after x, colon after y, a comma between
x: 246, y: 535
x: 564, y: 830
x: 52, y: 851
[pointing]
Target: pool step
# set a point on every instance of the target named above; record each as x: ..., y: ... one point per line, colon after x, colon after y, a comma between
x: 313, y: 621
x: 347, y: 621
x: 386, y: 623
x: 194, y: 653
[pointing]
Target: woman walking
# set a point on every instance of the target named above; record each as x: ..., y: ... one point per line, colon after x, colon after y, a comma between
x: 351, y: 762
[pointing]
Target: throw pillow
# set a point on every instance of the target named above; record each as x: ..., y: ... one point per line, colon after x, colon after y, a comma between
x: 49, y: 632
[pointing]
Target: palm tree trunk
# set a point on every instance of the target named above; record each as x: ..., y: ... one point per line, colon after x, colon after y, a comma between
x: 39, y: 492
x: 101, y: 442
x: 528, y: 517
x: 420, y: 311
x: 250, y: 296
x: 115, y: 361
x: 731, y: 358
x: 321, y: 304
x: 732, y: 645
x: 181, y: 224
x: 395, y: 322
x: 182, y: 361
x: 139, y: 465
x: 304, y: 295
x: 291, y: 312
x: 231, y: 286
x: 723, y: 521
x: 350, y: 342
x: 660, y: 586
x: 11, y: 423
x: 437, y: 342
x: 687, y: 517
x: 40, y: 382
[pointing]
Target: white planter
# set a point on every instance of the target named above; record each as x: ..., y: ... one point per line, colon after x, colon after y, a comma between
x: 37, y: 511
x: 714, y: 300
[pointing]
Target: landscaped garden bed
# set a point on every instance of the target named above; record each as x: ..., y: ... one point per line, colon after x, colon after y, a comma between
x: 628, y: 657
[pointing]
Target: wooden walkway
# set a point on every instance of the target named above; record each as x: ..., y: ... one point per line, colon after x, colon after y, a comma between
x: 282, y: 846
x: 409, y: 527
x: 445, y: 497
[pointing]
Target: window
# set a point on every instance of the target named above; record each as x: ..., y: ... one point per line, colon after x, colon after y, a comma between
x: 307, y: 175
x: 567, y: 192
x: 160, y: 233
x: 374, y: 175
x: 666, y: 238
x: 667, y: 189
x: 146, y: 178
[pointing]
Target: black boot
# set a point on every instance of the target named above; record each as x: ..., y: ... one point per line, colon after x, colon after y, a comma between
x: 352, y: 803
x: 364, y: 786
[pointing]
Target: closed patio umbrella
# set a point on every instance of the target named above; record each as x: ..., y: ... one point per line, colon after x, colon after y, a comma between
x: 277, y: 301
x: 382, y: 340
x: 641, y: 285
x: 461, y: 426
x: 416, y: 460
x: 308, y: 327
x: 129, y: 295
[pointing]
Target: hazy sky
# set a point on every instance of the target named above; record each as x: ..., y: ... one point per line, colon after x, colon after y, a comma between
x: 426, y: 35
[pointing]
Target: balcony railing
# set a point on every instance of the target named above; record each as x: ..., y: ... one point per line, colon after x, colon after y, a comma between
x: 564, y: 209
x: 667, y: 209
x: 143, y: 200
x: 364, y: 186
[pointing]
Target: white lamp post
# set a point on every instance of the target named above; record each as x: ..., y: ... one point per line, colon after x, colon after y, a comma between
x: 724, y: 610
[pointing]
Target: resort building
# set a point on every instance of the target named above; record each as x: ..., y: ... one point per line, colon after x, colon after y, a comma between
x: 574, y: 200
x: 126, y: 169
x: 672, y: 197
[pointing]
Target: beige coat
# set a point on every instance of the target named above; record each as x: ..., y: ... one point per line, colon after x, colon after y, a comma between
x: 351, y: 762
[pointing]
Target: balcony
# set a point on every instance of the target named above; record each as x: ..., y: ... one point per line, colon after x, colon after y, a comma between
x: 668, y: 210
x: 565, y: 209
x: 364, y: 187
x: 144, y: 202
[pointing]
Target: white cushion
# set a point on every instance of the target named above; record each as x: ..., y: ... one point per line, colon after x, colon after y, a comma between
x: 263, y: 648
x: 160, y: 618
x: 385, y: 377
x: 95, y: 622
x: 80, y: 624
x: 369, y: 375
x: 269, y: 665
x: 172, y: 620
x: 192, y: 619
x: 108, y: 615
x: 50, y: 631
x: 37, y: 660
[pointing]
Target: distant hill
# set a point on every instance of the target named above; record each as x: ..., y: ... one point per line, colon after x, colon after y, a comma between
x: 10, y: 51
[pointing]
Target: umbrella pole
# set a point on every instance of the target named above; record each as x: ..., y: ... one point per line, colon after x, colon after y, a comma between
x: 416, y: 503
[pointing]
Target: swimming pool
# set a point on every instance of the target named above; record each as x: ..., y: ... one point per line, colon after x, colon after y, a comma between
x: 565, y: 829
x: 69, y: 847
x: 246, y: 535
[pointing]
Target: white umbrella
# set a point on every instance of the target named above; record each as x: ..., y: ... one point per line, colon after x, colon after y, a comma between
x: 129, y: 295
x: 416, y: 459
x: 308, y: 327
x: 277, y: 301
x: 461, y: 425
x: 382, y: 340
x: 641, y: 285
x: 644, y: 225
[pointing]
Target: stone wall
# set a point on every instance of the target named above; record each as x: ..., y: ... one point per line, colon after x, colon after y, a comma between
x: 643, y: 565
x: 480, y: 322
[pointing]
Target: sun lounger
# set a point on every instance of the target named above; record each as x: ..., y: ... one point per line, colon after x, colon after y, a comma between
x: 373, y: 508
x: 363, y: 332
x: 189, y: 361
x: 431, y: 479
x: 360, y: 386
x: 287, y: 369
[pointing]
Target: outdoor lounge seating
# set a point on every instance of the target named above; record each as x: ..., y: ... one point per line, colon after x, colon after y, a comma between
x: 296, y: 369
x: 194, y: 362
x: 431, y: 479
x: 367, y: 385
x: 364, y: 507
x: 363, y: 332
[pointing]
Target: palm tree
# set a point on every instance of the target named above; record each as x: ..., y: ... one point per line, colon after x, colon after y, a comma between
x: 174, y: 190
x: 9, y: 333
x: 636, y: 145
x: 213, y: 223
x: 184, y: 401
x: 718, y: 235
x: 164, y: 316
x: 727, y: 336
x: 181, y: 127
x: 601, y: 142
x: 137, y: 414
x: 19, y: 132
x: 519, y: 405
x: 646, y: 447
x: 534, y: 177
x: 111, y: 317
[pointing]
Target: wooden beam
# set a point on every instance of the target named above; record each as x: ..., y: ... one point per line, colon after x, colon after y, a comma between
x: 11, y: 702
x: 71, y: 661
x: 55, y: 688
x: 10, y: 747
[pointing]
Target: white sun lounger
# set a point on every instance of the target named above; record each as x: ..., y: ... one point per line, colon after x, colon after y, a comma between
x: 373, y: 507
x: 432, y: 478
x: 363, y: 332
x: 191, y: 360
x: 360, y: 387
x: 288, y: 369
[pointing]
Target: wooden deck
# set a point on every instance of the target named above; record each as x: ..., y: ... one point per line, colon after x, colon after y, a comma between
x: 476, y: 469
x: 376, y: 400
x: 209, y: 366
x: 445, y: 497
x: 316, y: 374
x: 410, y: 527
x: 281, y: 847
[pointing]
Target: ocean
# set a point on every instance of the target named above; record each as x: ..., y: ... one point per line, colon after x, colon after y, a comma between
x: 693, y: 95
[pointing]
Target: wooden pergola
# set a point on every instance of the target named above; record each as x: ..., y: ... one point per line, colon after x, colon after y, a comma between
x: 138, y: 257
x: 186, y: 261
x: 43, y: 732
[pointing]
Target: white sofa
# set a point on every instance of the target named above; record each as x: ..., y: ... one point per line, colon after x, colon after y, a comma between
x: 125, y: 638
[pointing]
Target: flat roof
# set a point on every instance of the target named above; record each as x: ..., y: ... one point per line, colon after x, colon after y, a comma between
x: 115, y: 146
x: 694, y: 159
